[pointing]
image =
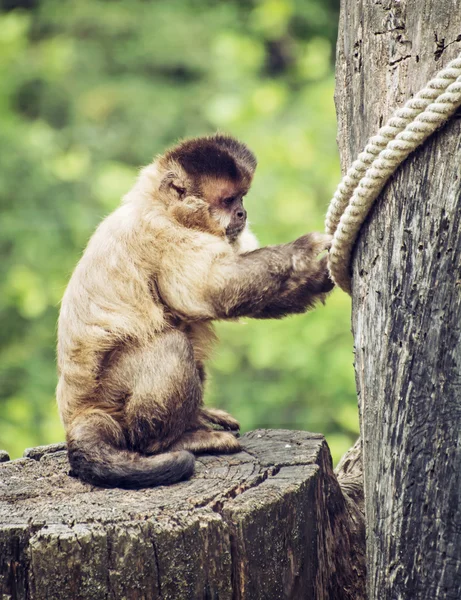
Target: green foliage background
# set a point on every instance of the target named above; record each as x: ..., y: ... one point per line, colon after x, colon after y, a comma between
x: 90, y: 91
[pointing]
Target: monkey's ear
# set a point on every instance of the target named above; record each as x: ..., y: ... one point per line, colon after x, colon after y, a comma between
x: 176, y: 186
x: 173, y: 185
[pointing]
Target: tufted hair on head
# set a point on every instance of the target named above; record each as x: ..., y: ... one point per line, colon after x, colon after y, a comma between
x: 218, y: 156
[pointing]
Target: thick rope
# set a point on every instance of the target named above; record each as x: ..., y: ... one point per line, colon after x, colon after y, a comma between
x: 407, y: 129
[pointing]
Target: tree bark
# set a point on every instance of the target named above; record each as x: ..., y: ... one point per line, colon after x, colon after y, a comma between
x: 406, y: 302
x: 268, y: 523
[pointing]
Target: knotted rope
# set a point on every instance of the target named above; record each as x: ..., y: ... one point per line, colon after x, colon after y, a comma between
x: 407, y: 129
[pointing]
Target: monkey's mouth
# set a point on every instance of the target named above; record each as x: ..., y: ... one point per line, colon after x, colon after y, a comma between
x: 232, y: 232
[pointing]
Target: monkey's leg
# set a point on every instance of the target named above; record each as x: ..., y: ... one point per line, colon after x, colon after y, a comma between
x: 219, y: 417
x: 163, y: 409
x: 202, y: 440
x: 162, y: 387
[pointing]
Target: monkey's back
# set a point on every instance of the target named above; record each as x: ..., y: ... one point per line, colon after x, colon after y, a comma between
x: 108, y: 302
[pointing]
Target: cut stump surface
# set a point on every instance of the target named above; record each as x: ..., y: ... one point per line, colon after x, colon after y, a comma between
x: 250, y: 525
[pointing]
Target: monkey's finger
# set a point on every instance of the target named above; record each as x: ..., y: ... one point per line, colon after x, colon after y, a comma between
x: 321, y: 241
x: 326, y: 284
x: 313, y: 243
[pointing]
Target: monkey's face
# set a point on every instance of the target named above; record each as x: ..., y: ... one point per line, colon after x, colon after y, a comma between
x: 225, y: 198
x: 216, y: 170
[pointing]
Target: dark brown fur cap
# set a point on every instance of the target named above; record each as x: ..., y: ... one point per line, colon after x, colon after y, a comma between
x: 217, y: 155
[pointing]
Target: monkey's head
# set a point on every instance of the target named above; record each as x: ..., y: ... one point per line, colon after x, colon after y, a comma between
x: 217, y: 170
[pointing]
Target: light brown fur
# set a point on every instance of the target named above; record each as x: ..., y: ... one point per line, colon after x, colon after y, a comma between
x: 135, y: 323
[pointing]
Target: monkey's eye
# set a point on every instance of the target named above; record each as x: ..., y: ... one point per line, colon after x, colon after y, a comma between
x: 228, y: 201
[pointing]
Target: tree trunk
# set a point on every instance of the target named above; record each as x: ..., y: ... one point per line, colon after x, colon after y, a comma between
x: 406, y: 302
x: 268, y: 523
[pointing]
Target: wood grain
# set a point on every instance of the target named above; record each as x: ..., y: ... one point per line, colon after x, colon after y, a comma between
x: 270, y: 522
x: 406, y: 302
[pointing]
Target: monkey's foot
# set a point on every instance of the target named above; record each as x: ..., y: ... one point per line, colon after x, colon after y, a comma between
x: 220, y: 417
x: 201, y: 441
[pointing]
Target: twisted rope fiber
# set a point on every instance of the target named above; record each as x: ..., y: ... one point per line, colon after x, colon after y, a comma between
x: 407, y: 129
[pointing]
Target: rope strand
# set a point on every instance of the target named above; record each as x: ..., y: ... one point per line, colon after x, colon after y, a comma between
x: 407, y: 129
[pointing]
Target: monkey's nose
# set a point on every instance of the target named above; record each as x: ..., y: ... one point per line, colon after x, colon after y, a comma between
x: 241, y: 214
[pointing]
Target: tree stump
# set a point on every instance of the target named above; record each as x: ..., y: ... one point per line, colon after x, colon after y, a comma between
x: 268, y: 522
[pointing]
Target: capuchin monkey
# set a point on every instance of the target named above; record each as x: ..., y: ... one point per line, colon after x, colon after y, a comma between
x: 135, y: 326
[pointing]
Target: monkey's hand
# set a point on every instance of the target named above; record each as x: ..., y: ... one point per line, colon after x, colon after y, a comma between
x: 195, y: 204
x: 190, y: 208
x: 194, y: 213
x: 308, y: 280
x: 306, y: 249
x: 309, y: 269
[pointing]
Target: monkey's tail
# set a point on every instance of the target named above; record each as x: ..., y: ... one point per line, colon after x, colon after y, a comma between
x: 105, y: 465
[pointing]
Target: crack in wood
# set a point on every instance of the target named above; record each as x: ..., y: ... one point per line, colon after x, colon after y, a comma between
x: 395, y: 61
x: 440, y: 45
x: 157, y: 565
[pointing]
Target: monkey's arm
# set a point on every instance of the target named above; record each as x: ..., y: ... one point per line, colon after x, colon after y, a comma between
x: 300, y: 293
x: 208, y: 281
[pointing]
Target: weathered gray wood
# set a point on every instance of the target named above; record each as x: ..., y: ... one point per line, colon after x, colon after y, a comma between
x: 266, y: 523
x: 406, y: 302
x: 349, y: 531
x: 39, y: 451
